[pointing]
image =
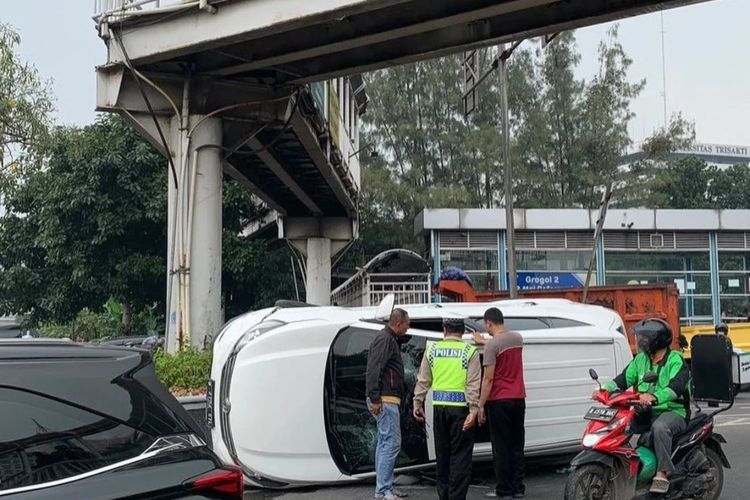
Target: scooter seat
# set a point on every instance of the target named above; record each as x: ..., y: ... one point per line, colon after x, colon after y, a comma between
x: 696, y: 422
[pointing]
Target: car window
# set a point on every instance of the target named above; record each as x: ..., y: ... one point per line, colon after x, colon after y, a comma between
x: 521, y: 324
x: 428, y: 324
x: 564, y: 323
x: 43, y: 440
x: 350, y: 428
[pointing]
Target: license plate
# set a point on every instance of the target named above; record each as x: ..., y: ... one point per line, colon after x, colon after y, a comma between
x: 210, y: 404
x: 600, y: 414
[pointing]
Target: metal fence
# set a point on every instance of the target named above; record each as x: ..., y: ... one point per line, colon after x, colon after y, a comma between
x: 405, y: 292
x: 124, y: 8
x: 108, y: 6
x: 371, y: 289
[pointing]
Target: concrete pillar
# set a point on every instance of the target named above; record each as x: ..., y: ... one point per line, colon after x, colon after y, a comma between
x: 319, y: 271
x: 194, y: 225
x: 205, y: 261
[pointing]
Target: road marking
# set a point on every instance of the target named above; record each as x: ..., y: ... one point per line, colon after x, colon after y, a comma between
x: 731, y: 423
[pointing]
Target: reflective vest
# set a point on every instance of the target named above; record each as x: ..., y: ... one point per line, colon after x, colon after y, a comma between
x: 449, y: 363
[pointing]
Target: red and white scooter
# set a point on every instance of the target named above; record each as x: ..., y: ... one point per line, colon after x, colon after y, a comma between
x: 610, y: 467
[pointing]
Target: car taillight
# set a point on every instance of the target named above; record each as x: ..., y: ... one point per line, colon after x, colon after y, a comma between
x: 227, y: 482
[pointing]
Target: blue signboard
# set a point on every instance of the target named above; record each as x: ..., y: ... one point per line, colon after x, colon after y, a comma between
x: 527, y: 281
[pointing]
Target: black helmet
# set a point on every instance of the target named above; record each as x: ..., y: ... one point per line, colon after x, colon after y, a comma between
x: 653, y: 335
x: 722, y: 329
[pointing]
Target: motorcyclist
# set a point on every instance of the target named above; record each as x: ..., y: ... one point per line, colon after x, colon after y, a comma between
x: 722, y: 329
x: 667, y: 398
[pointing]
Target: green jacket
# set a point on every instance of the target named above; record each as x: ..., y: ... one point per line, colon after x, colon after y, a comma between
x: 671, y: 390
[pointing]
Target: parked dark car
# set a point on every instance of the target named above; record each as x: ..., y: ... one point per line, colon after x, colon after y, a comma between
x: 10, y: 331
x: 93, y: 422
x: 147, y: 342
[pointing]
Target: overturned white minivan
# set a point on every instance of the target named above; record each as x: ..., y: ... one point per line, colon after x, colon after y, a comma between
x: 287, y: 392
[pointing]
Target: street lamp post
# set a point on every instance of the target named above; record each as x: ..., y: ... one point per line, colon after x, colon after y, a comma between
x: 508, y: 175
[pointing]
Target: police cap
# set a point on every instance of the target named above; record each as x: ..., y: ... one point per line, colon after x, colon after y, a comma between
x: 453, y: 325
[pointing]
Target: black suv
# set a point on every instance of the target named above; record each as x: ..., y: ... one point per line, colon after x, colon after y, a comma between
x: 94, y: 422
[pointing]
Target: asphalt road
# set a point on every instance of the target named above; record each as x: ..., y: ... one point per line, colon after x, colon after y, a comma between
x: 547, y: 480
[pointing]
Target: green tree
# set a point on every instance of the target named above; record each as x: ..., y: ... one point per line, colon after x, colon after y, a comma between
x: 569, y: 133
x: 567, y: 137
x: 642, y: 183
x: 692, y: 183
x: 429, y: 154
x: 88, y: 226
x: 25, y: 106
x: 91, y: 225
x: 686, y: 183
x: 547, y: 104
x: 729, y: 189
x: 256, y: 272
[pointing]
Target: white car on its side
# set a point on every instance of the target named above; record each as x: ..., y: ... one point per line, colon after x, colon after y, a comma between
x: 287, y: 392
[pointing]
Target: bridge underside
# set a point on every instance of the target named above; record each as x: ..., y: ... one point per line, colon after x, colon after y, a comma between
x: 296, y: 42
x: 273, y: 138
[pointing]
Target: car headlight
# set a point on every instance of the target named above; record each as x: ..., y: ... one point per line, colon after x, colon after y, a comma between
x: 255, y: 332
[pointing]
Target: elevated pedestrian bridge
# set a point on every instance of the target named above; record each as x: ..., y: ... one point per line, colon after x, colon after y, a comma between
x: 269, y: 93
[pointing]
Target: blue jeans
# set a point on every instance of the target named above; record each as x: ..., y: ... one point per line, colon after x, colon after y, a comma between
x: 388, y: 447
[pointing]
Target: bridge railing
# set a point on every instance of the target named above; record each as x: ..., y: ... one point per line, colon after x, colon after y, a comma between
x: 123, y: 8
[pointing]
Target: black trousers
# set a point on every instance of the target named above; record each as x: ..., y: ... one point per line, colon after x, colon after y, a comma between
x: 664, y: 428
x: 507, y: 432
x: 454, y: 449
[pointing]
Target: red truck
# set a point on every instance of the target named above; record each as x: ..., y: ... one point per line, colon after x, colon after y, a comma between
x: 632, y: 302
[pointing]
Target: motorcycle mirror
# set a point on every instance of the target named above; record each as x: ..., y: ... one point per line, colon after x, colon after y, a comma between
x: 650, y: 377
x: 593, y: 374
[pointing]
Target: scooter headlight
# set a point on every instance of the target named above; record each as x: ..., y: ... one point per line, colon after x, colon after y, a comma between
x: 591, y: 439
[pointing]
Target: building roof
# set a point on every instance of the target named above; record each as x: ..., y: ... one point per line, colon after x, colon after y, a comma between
x: 457, y: 219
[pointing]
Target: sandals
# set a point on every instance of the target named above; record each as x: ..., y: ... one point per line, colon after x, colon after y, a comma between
x: 659, y: 486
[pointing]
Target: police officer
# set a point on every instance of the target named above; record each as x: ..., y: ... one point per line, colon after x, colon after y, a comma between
x: 452, y: 368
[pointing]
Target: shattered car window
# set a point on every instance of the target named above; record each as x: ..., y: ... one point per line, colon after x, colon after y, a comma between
x: 351, y: 429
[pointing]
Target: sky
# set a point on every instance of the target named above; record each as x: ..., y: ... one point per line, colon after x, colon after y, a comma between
x: 707, y: 62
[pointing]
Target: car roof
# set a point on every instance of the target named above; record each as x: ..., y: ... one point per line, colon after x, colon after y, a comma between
x: 56, y: 348
x: 115, y: 381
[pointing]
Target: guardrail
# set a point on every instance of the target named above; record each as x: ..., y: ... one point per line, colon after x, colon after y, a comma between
x: 196, y: 408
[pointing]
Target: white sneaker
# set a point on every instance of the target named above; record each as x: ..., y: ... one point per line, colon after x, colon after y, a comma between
x: 391, y: 495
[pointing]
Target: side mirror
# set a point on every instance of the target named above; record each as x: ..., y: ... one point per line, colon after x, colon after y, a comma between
x: 650, y: 377
x: 593, y: 374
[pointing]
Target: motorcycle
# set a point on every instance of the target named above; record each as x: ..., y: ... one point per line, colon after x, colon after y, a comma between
x: 611, y: 468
